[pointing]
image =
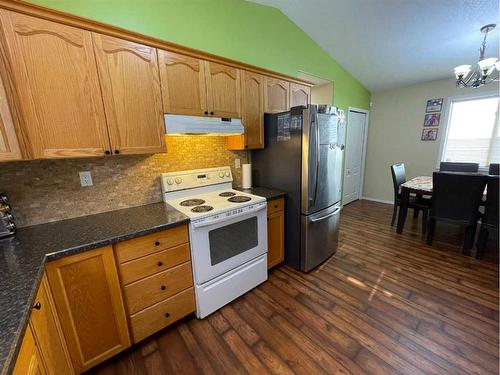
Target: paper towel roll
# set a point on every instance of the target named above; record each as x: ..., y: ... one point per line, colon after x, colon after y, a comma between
x: 246, y: 171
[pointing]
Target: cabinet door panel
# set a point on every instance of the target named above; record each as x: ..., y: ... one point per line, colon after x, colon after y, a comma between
x: 9, y: 146
x: 253, y: 109
x: 48, y: 334
x: 275, y: 238
x: 28, y: 360
x: 130, y: 83
x: 87, y: 295
x: 300, y: 95
x: 277, y: 95
x: 183, y: 84
x: 223, y: 89
x: 55, y: 75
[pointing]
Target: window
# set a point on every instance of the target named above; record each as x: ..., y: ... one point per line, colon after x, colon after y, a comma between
x: 473, y: 131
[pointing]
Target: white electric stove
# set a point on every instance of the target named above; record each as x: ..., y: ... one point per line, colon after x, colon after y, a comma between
x: 228, y: 234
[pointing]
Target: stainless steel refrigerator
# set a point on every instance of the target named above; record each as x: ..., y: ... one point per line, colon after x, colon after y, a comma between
x: 303, y: 156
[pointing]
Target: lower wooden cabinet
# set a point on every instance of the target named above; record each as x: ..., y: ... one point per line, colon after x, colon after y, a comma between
x: 89, y: 303
x: 275, y: 232
x: 28, y: 360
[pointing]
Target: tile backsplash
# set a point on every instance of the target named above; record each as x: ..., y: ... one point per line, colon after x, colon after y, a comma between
x: 41, y: 191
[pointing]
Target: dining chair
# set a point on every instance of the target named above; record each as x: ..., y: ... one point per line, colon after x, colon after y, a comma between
x: 494, y: 169
x: 455, y: 199
x: 446, y: 166
x: 489, y: 220
x: 418, y: 204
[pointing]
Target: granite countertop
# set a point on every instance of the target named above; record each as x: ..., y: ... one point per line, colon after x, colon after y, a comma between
x: 22, y: 259
x: 267, y: 193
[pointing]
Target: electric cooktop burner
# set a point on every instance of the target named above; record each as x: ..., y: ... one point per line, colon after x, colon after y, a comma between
x: 202, y: 208
x: 239, y: 199
x: 192, y: 202
x: 227, y: 194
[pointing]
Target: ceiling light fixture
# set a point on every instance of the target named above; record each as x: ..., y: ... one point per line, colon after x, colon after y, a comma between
x: 481, y: 73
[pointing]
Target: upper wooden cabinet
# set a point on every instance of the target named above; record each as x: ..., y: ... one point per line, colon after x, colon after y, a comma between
x: 130, y: 83
x: 9, y: 146
x: 183, y: 84
x: 252, y: 113
x: 87, y: 294
x: 55, y: 77
x: 277, y: 95
x: 299, y: 95
x: 223, y: 90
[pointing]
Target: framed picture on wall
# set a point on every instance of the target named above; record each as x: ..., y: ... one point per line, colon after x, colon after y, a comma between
x: 432, y: 119
x: 429, y: 134
x: 434, y: 105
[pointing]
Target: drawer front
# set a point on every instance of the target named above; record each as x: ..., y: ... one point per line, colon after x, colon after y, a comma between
x: 156, y: 317
x: 151, y: 243
x: 275, y: 205
x: 156, y: 288
x: 149, y: 265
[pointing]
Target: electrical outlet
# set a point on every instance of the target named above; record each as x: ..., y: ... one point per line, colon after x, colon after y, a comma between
x: 237, y: 163
x: 85, y: 178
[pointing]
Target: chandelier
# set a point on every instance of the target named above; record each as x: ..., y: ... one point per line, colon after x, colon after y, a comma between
x: 484, y: 72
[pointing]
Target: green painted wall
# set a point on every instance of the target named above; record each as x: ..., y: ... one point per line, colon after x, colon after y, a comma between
x: 236, y: 29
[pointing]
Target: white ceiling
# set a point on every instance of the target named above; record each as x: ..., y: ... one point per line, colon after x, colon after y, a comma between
x: 394, y: 43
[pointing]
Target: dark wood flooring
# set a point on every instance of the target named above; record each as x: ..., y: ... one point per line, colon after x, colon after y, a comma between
x: 384, y: 304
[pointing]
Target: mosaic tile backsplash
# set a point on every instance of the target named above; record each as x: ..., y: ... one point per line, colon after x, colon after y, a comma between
x: 41, y: 191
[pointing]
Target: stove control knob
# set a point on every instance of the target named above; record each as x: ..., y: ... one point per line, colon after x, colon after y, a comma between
x: 170, y: 181
x: 228, y: 174
x: 178, y: 180
x: 221, y: 174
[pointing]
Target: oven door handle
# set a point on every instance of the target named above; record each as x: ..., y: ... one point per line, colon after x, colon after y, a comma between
x: 216, y: 221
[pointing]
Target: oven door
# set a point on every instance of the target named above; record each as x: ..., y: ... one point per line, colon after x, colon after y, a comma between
x: 221, y: 245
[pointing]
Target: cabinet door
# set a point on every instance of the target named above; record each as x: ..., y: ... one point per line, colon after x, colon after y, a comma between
x: 9, y: 146
x: 48, y: 334
x: 55, y: 76
x: 130, y: 83
x: 277, y: 95
x: 87, y: 296
x: 300, y: 95
x: 275, y: 238
x: 223, y: 90
x: 182, y: 84
x: 28, y: 360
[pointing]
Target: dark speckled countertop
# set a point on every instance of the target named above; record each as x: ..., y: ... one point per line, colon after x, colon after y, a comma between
x: 22, y: 259
x: 267, y: 193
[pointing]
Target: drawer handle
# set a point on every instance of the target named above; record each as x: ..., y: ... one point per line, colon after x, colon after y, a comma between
x: 275, y: 206
x: 163, y: 287
x: 157, y: 243
x: 167, y: 315
x: 37, y: 306
x: 160, y: 264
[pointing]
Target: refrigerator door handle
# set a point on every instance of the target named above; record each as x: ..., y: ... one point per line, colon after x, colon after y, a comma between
x: 317, y: 159
x: 325, y: 216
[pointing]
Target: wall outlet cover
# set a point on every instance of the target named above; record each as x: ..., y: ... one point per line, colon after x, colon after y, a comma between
x: 237, y: 163
x: 85, y: 178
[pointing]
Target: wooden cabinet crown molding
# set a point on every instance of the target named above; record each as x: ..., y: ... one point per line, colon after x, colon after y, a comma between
x: 118, y: 32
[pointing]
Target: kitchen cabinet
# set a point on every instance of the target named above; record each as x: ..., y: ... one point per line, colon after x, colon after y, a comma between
x: 182, y: 84
x: 55, y: 78
x: 130, y: 83
x: 275, y: 232
x: 9, y: 145
x: 276, y: 95
x: 89, y: 303
x: 28, y: 359
x: 299, y: 95
x: 47, y: 331
x: 252, y: 113
x: 223, y: 90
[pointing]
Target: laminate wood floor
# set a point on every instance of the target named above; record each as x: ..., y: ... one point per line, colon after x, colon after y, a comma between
x: 384, y: 304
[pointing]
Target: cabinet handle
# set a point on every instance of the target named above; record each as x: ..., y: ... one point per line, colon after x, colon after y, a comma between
x: 157, y: 243
x: 160, y: 264
x: 37, y: 306
x: 117, y: 151
x: 167, y: 315
x: 107, y: 152
x: 206, y: 112
x: 163, y: 287
x: 211, y: 113
x: 275, y: 206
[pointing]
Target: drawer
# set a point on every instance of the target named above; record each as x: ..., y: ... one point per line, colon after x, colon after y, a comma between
x: 275, y: 205
x: 146, y: 266
x: 156, y: 317
x: 151, y: 243
x: 156, y: 288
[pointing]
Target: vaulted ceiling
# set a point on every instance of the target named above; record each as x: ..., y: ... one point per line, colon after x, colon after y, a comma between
x: 394, y: 43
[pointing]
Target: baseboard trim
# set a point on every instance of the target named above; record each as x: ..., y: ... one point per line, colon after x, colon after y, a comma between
x: 378, y: 200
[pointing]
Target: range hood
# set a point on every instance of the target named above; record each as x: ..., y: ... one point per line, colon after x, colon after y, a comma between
x: 199, y: 125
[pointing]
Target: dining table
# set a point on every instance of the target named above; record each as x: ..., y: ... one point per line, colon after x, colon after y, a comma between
x: 421, y: 185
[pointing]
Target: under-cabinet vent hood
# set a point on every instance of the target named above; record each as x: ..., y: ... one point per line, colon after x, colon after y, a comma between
x: 199, y: 125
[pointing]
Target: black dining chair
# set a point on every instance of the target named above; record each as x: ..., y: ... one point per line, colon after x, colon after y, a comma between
x: 418, y: 204
x: 494, y: 169
x: 489, y: 220
x: 446, y: 166
x: 455, y: 199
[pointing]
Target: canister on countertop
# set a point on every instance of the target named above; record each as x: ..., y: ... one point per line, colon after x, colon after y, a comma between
x: 7, y: 225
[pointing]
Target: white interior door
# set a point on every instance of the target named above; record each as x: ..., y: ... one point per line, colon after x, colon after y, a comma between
x: 354, y: 151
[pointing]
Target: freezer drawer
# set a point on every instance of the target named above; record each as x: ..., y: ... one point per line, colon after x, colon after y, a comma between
x: 320, y: 237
